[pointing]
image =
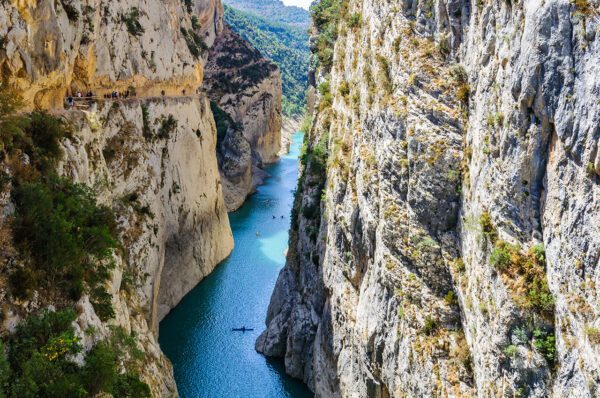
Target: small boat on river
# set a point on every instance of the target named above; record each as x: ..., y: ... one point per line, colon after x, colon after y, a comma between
x: 242, y: 329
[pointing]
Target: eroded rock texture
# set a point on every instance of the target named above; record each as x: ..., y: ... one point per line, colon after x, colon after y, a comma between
x: 455, y: 234
x: 247, y: 87
x: 168, y: 198
x: 151, y: 157
x: 96, y: 46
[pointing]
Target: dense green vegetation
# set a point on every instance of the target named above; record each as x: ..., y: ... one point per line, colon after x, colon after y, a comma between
x: 65, y: 239
x: 326, y: 16
x: 529, y: 270
x: 525, y: 274
x: 314, y: 162
x: 285, y: 45
x: 525, y: 270
x: 64, y: 245
x: 274, y: 10
x: 40, y: 361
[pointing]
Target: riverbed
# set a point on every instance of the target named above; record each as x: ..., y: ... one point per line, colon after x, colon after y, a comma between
x: 209, y: 359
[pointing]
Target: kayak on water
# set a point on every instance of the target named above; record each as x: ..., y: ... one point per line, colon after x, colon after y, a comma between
x: 242, y: 329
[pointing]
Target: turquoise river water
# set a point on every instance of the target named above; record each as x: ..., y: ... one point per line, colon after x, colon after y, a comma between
x: 209, y: 359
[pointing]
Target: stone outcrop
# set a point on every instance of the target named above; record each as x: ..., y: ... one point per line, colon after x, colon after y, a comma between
x: 210, y: 19
x: 451, y: 249
x: 183, y: 232
x: 51, y: 48
x: 247, y: 87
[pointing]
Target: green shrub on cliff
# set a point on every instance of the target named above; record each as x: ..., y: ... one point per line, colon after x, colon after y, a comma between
x: 45, y: 133
x: 490, y: 232
x: 65, y: 238
x: 430, y: 326
x: 500, y: 257
x: 132, y: 21
x: 168, y: 125
x: 326, y: 16
x: 545, y: 342
x: 40, y: 362
x: 38, y: 134
x: 326, y: 95
x: 195, y: 43
x: 355, y: 20
x: 12, y: 125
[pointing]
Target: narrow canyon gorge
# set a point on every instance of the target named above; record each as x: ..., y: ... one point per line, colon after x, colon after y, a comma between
x: 444, y: 231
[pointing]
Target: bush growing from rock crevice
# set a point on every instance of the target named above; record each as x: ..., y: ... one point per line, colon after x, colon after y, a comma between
x: 355, y: 20
x: 71, y: 11
x: 146, y: 129
x: 223, y: 121
x: 527, y: 271
x: 545, y: 342
x: 132, y: 21
x: 167, y: 127
x: 489, y: 229
x: 195, y: 43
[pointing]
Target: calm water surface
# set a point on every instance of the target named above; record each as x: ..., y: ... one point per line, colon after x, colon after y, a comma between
x: 209, y: 359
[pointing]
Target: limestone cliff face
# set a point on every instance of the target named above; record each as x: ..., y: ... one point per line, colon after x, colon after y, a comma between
x: 248, y: 88
x: 101, y: 46
x: 168, y: 199
x: 151, y: 157
x: 210, y: 18
x: 452, y: 248
x: 183, y: 232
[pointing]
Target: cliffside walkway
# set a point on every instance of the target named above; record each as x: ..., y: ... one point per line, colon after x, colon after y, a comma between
x: 85, y: 101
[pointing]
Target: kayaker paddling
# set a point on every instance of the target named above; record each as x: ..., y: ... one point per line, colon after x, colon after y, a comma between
x: 242, y: 329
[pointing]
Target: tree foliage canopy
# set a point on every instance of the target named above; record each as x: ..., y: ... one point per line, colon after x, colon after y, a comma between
x: 283, y: 44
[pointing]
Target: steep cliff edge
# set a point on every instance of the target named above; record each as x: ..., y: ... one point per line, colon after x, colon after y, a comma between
x: 450, y: 250
x: 150, y: 157
x: 167, y: 197
x: 51, y: 48
x: 246, y: 90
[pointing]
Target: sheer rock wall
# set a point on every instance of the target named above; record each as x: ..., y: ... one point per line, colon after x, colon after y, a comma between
x: 458, y: 131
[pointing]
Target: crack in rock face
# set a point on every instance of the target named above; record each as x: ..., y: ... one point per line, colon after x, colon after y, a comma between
x: 449, y: 249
